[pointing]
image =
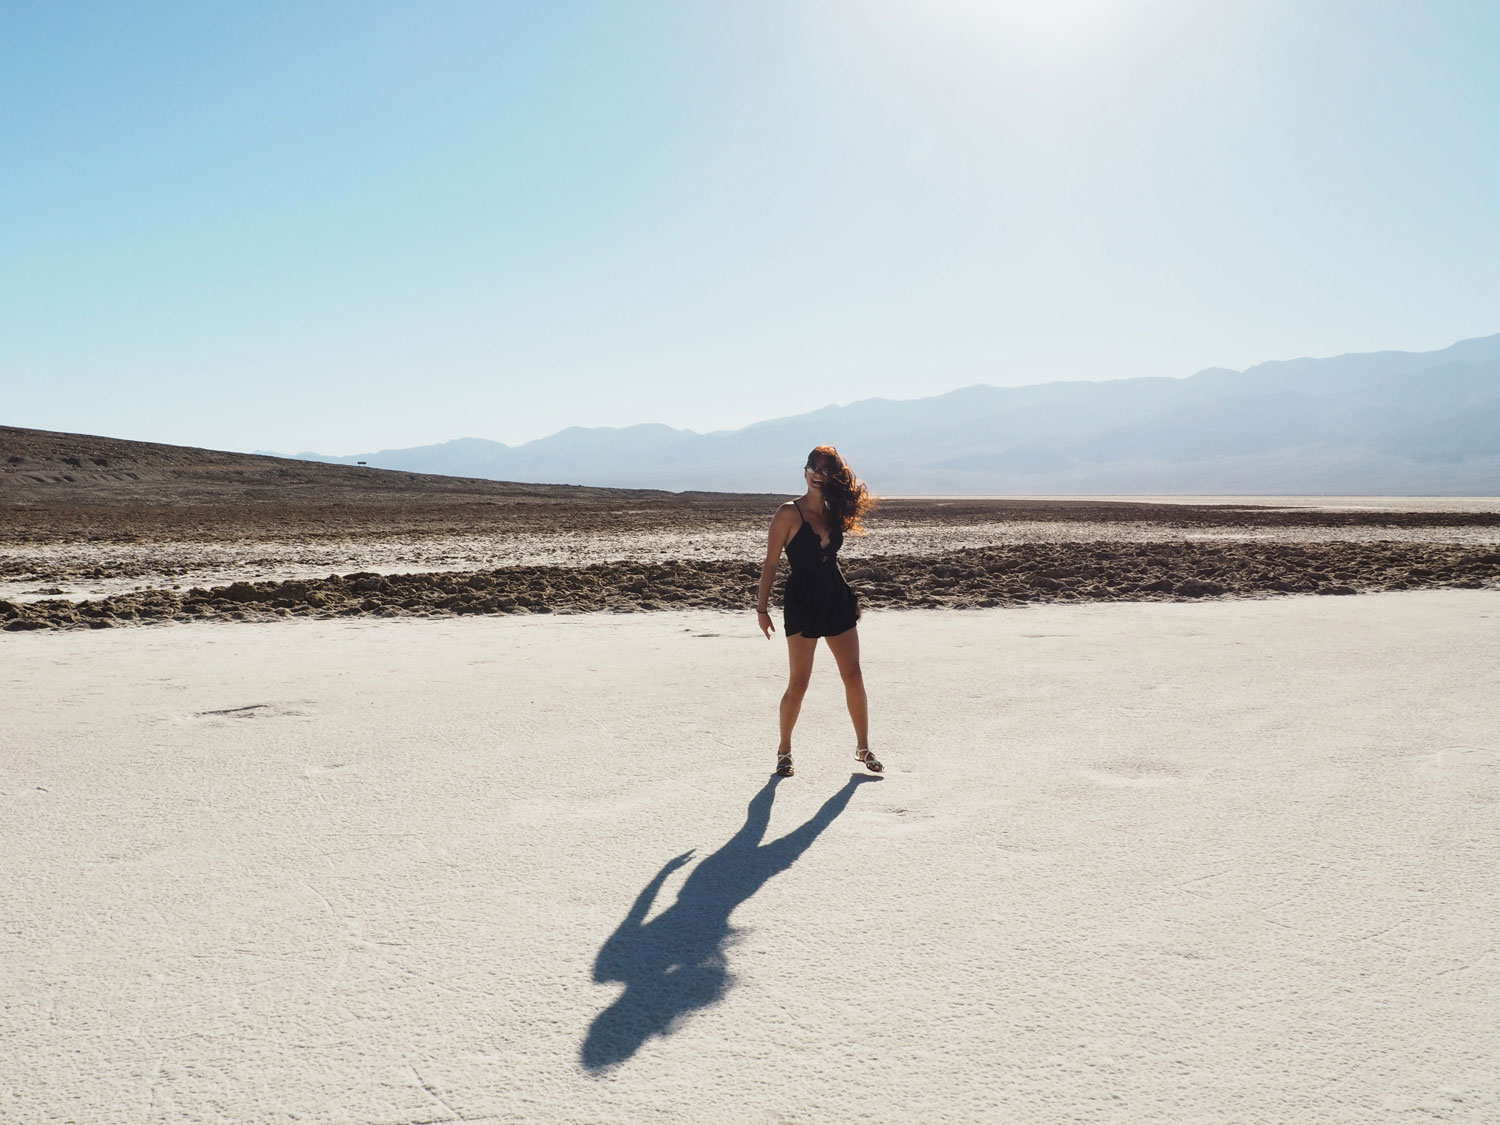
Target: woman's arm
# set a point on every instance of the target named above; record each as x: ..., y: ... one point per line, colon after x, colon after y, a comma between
x: 613, y: 961
x: 775, y: 540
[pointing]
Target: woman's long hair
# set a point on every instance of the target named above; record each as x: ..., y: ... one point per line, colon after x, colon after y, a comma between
x: 846, y: 495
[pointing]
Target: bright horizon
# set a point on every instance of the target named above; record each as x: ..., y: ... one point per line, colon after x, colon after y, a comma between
x: 347, y: 227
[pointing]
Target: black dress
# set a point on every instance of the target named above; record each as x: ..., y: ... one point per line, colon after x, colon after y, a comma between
x: 818, y: 601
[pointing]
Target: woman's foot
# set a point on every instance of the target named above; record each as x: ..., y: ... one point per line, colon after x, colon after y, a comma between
x: 871, y: 762
x: 784, y: 764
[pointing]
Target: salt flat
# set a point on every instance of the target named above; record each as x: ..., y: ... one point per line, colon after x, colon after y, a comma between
x: 1190, y: 862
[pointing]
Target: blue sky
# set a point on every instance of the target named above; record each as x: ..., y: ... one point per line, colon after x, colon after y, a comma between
x: 350, y: 226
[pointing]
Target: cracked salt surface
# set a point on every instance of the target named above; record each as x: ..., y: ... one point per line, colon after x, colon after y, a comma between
x: 389, y: 895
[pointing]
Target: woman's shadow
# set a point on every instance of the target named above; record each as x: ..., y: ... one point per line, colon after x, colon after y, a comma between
x: 675, y: 962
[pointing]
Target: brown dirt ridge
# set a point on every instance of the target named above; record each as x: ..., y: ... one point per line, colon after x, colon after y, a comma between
x: 982, y: 577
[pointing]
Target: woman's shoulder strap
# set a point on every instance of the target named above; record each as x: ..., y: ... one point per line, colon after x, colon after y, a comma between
x: 799, y: 511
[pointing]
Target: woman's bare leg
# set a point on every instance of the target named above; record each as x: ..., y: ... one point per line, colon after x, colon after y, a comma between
x: 800, y: 651
x: 845, y: 648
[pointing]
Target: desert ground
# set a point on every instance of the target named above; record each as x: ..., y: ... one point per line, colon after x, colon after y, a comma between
x: 344, y: 796
x: 1224, y: 861
x: 98, y: 532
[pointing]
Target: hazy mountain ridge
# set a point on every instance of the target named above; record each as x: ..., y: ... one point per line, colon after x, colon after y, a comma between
x: 1383, y: 422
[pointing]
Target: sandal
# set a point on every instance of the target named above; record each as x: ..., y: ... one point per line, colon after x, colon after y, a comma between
x: 871, y: 762
x: 784, y: 765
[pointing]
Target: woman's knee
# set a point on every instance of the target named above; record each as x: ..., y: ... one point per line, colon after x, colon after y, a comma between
x: 853, y: 677
x: 796, y: 687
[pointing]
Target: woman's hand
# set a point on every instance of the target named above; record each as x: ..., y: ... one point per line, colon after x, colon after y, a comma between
x: 767, y: 626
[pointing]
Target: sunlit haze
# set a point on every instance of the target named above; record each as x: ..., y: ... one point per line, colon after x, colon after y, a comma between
x: 353, y: 226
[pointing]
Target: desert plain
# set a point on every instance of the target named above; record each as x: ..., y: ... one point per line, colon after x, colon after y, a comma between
x: 333, y: 795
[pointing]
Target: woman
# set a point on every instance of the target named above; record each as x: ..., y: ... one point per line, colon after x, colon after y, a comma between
x: 819, y: 602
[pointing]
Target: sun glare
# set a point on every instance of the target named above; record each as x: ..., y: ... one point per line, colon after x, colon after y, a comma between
x: 1073, y: 48
x: 1031, y: 35
x: 1044, y: 19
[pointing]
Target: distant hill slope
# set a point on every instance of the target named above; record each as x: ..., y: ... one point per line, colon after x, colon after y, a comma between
x: 1383, y: 422
x: 43, y: 468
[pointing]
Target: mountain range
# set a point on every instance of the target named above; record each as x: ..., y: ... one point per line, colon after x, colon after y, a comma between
x: 1375, y: 423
